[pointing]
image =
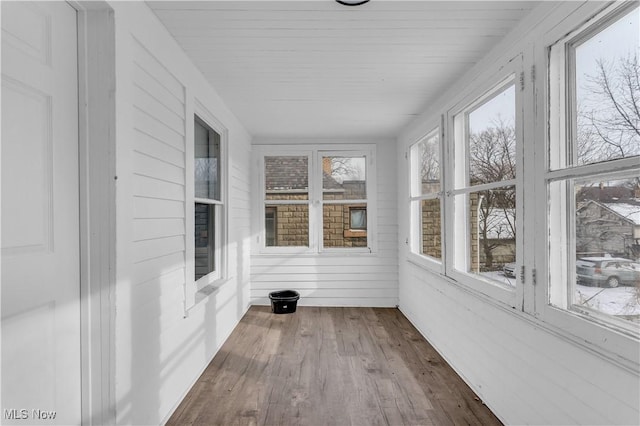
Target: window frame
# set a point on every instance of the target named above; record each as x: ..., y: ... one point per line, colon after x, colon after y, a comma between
x: 458, y: 183
x: 416, y: 197
x: 315, y: 153
x: 558, y: 165
x: 283, y: 152
x: 351, y: 227
x: 320, y: 201
x: 198, y: 290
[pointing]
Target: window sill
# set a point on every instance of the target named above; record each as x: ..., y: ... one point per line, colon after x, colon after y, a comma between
x: 359, y: 251
x: 351, y: 233
x: 204, y: 293
x: 427, y: 263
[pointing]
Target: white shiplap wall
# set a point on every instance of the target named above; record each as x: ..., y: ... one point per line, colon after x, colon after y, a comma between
x: 160, y: 351
x: 526, y: 370
x: 158, y: 180
x: 337, y: 280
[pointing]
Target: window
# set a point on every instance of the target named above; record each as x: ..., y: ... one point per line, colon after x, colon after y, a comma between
x: 316, y: 200
x: 286, y: 186
x: 207, y: 201
x: 485, y: 184
x: 344, y: 193
x: 426, y: 197
x: 358, y: 219
x: 593, y: 177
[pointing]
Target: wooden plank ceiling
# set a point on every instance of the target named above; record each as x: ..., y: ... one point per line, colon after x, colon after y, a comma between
x: 317, y: 69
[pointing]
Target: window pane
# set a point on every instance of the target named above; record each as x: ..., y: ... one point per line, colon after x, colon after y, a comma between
x: 492, y: 229
x: 607, y: 92
x: 207, y: 162
x: 607, y: 246
x: 431, y: 243
x: 492, y: 139
x: 287, y: 225
x: 204, y: 239
x: 270, y: 226
x: 336, y: 227
x: 428, y: 152
x: 344, y: 178
x: 286, y: 178
x: 358, y: 218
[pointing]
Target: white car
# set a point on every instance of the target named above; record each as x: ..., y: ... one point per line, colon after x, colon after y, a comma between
x: 509, y: 270
x: 609, y: 271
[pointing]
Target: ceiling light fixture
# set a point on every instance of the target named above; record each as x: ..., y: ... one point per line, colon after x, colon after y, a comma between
x: 352, y: 2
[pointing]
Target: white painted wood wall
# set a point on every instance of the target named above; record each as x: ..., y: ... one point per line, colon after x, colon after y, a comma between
x: 330, y: 279
x: 159, y: 352
x: 526, y: 371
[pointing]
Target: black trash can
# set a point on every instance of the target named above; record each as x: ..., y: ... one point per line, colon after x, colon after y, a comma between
x: 284, y: 302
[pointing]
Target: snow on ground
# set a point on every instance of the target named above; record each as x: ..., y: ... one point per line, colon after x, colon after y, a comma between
x: 618, y: 301
x: 613, y: 301
x: 621, y: 300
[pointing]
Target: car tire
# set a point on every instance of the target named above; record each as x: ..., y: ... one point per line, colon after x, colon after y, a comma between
x: 613, y: 282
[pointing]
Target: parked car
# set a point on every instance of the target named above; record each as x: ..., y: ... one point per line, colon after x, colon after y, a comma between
x: 609, y: 271
x: 509, y: 270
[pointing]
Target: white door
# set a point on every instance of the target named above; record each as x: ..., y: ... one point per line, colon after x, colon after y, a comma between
x: 40, y: 220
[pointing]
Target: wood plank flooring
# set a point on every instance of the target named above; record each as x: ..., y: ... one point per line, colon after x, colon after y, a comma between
x: 329, y: 366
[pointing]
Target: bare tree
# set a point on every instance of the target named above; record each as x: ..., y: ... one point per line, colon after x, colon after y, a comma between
x: 347, y: 168
x: 492, y: 153
x: 492, y: 159
x: 430, y: 160
x: 608, y: 121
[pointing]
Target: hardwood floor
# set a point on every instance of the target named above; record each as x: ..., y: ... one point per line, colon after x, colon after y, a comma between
x: 329, y: 366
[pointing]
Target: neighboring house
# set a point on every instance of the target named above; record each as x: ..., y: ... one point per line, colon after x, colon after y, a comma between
x: 608, y: 229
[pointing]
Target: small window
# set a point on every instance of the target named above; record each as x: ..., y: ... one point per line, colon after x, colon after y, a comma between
x: 358, y: 219
x: 208, y: 202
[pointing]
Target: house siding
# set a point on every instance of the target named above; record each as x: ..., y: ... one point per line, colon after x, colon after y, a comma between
x: 160, y: 351
x: 328, y: 279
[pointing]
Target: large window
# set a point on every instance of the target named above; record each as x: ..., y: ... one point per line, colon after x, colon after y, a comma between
x: 426, y: 197
x: 207, y: 200
x: 593, y: 177
x: 316, y: 200
x: 485, y: 182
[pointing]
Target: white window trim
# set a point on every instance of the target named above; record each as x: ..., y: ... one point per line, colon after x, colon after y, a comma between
x: 196, y: 291
x: 615, y: 339
x: 415, y: 197
x: 315, y: 202
x: 457, y: 247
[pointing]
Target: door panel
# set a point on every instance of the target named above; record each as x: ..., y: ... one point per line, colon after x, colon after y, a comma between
x: 40, y: 218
